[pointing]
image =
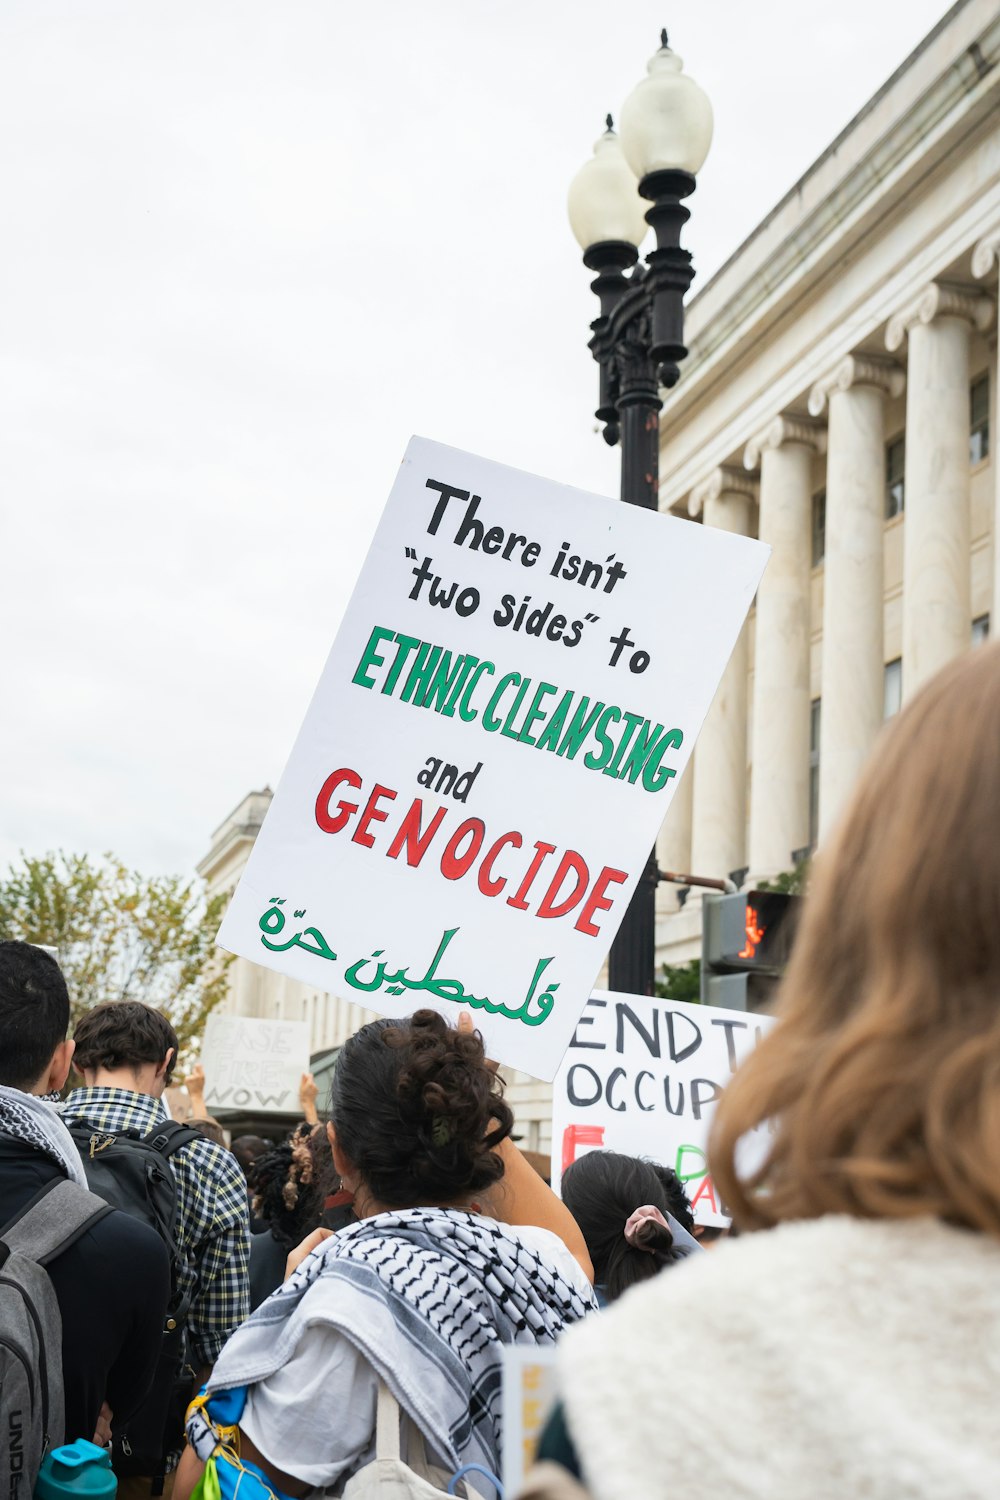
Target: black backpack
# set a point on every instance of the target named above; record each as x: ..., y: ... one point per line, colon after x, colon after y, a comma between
x: 132, y: 1172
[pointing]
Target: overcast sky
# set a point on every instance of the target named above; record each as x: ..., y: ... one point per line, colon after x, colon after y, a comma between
x: 247, y: 249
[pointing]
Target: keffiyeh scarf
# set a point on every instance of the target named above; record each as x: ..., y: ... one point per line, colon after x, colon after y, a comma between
x: 429, y: 1296
x: 36, y: 1123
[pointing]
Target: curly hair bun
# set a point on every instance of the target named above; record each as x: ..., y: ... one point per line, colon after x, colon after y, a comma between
x: 418, y: 1111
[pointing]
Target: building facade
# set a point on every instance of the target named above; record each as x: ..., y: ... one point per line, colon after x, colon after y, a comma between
x: 839, y: 401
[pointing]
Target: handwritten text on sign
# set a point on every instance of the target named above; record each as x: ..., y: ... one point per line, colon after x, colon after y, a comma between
x: 642, y: 1077
x: 517, y: 684
x: 254, y: 1065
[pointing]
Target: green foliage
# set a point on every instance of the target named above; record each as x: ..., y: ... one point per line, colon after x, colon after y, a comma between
x: 680, y: 982
x: 789, y: 882
x: 121, y: 935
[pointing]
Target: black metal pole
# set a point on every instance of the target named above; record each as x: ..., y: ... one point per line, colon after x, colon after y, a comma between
x: 632, y: 960
x: 638, y: 344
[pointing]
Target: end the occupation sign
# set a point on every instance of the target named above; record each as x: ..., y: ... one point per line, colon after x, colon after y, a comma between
x: 516, y: 687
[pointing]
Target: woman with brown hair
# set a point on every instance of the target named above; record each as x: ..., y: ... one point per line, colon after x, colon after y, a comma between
x: 854, y: 1348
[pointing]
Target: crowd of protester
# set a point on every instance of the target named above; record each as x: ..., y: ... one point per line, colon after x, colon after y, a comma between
x: 840, y: 1342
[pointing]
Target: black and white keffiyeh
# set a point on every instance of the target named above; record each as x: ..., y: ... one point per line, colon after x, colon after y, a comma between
x: 428, y: 1296
x: 35, y: 1122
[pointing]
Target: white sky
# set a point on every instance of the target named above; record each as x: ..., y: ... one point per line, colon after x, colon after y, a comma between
x: 246, y: 249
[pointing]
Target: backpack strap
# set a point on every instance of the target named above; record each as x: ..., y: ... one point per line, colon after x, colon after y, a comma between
x: 169, y: 1137
x: 53, y: 1220
x: 387, y: 1415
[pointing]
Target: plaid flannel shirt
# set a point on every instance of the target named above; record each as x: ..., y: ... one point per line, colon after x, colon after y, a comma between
x: 212, y: 1231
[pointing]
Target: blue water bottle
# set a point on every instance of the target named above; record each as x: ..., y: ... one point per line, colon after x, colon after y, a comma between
x: 76, y: 1471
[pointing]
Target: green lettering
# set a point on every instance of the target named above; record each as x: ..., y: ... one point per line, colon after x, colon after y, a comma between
x: 580, y: 727
x: 535, y: 711
x: 595, y: 759
x: 370, y: 657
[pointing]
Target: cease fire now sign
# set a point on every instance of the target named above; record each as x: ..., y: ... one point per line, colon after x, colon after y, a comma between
x: 516, y: 687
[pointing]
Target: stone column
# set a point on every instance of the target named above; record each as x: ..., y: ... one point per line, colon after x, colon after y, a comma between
x: 985, y: 258
x: 936, y: 538
x: 779, y: 787
x: 719, y: 812
x: 853, y: 584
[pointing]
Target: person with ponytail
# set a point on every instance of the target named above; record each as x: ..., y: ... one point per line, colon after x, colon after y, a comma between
x: 460, y: 1248
x: 624, y: 1213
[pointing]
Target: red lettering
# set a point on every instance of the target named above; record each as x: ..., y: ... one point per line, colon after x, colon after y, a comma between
x: 542, y: 853
x: 372, y: 814
x: 326, y: 821
x: 597, y: 900
x: 571, y: 863
x: 412, y: 835
x: 706, y: 1189
x: 455, y: 865
x: 579, y: 1135
x: 494, y: 887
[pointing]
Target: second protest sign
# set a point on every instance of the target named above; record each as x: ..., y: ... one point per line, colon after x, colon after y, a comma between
x: 643, y: 1077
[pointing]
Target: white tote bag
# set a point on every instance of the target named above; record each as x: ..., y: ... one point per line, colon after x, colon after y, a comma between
x: 388, y: 1477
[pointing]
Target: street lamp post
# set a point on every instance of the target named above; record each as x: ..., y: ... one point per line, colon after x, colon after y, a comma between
x: 638, y: 336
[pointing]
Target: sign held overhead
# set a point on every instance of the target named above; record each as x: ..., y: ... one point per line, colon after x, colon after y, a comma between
x: 514, y: 691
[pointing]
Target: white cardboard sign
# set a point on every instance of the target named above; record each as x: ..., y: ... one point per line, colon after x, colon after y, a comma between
x: 516, y: 687
x: 253, y: 1064
x: 642, y: 1077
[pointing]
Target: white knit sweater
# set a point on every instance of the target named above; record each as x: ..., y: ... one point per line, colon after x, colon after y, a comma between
x: 826, y: 1360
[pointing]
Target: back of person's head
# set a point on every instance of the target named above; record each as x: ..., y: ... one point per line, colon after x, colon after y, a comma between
x: 418, y: 1112
x: 124, y: 1034
x: 881, y: 1079
x: 678, y: 1201
x: 210, y: 1128
x: 247, y: 1148
x: 34, y: 1012
x: 604, y: 1191
x: 286, y: 1193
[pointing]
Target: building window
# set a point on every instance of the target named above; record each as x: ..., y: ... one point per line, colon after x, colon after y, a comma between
x: 814, y: 721
x: 818, y: 528
x: 892, y: 687
x: 895, y: 477
x: 980, y: 630
x: 979, y: 420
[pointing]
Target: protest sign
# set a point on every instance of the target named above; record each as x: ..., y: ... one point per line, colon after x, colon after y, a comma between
x: 515, y: 689
x: 642, y: 1077
x: 256, y: 1065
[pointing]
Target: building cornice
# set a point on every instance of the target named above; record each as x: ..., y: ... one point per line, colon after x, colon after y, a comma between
x: 861, y: 322
x: 865, y: 370
x: 967, y: 78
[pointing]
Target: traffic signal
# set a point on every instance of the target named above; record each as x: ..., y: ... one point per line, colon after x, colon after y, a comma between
x: 746, y: 942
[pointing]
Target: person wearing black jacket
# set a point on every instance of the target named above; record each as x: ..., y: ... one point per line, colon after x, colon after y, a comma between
x: 112, y: 1283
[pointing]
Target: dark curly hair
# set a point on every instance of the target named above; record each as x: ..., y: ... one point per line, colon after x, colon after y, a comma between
x: 601, y: 1191
x: 286, y: 1191
x: 418, y: 1112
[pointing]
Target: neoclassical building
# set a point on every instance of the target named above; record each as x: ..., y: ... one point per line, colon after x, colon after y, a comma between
x: 839, y: 400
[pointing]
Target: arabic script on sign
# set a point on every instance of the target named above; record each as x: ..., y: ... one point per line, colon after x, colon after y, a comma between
x: 311, y: 940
